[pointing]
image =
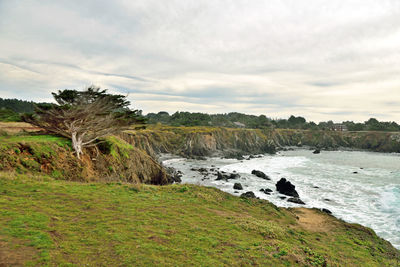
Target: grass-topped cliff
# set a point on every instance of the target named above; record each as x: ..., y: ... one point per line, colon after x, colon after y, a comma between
x: 60, y: 223
x: 113, y: 160
x: 205, y: 141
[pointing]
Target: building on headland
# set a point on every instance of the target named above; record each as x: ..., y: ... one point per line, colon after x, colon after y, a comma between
x: 239, y: 124
x: 339, y: 127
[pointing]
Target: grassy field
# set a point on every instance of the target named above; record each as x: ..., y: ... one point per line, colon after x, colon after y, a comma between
x: 59, y: 223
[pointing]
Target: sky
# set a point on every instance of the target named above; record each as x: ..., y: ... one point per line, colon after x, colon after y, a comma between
x: 321, y: 59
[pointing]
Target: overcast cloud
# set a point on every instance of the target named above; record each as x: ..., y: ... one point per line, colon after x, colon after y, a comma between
x: 322, y: 59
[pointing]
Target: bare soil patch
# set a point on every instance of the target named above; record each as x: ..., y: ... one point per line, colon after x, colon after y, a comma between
x: 314, y: 221
x: 15, y: 256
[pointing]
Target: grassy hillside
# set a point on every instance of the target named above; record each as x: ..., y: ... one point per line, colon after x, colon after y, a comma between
x: 56, y: 211
x: 59, y: 223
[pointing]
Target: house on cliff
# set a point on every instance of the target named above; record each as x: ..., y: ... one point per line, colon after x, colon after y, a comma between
x: 339, y: 127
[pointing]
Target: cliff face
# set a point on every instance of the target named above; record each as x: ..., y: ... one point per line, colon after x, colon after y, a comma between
x: 373, y: 141
x: 207, y: 141
x: 201, y: 141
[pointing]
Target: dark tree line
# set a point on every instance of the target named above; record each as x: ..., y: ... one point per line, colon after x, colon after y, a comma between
x: 238, y: 120
x: 17, y: 106
x: 10, y: 110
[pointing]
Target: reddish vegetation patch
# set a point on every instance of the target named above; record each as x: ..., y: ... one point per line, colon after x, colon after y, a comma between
x: 16, y: 127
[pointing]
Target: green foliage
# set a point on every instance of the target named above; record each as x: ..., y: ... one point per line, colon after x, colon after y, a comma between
x: 17, y: 106
x: 8, y: 115
x: 239, y: 120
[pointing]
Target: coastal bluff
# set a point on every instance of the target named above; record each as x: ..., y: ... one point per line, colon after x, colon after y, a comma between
x: 233, y: 142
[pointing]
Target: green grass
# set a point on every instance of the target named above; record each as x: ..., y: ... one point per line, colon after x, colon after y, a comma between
x: 34, y: 138
x: 114, y: 224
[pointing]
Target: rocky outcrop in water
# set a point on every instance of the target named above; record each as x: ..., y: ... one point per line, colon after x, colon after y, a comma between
x: 260, y: 174
x: 248, y: 194
x: 238, y: 186
x: 296, y: 200
x: 287, y: 188
x: 226, y: 176
x: 266, y: 191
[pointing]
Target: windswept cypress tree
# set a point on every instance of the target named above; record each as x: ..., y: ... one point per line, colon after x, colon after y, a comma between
x: 85, y: 116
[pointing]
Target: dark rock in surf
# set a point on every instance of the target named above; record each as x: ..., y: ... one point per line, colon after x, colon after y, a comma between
x: 260, y: 174
x: 317, y: 151
x: 248, y: 194
x: 296, y: 200
x: 234, y: 176
x: 174, y: 175
x: 326, y: 211
x: 238, y: 186
x: 226, y: 176
x: 287, y: 188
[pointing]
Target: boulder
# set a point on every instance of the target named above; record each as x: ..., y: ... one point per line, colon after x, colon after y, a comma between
x: 296, y: 200
x: 248, y: 194
x: 317, y: 151
x: 174, y: 176
x: 222, y: 176
x: 226, y: 176
x: 234, y: 176
x: 287, y: 188
x: 238, y: 186
x: 266, y: 191
x: 260, y: 174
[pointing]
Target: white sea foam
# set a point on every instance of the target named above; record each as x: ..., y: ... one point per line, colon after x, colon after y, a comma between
x: 359, y: 187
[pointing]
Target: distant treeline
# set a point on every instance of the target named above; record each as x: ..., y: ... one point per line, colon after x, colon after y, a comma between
x: 11, y: 109
x: 239, y: 120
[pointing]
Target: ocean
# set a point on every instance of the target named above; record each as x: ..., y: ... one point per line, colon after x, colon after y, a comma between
x: 358, y: 187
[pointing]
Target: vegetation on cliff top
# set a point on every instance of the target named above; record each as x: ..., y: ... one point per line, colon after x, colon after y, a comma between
x: 233, y: 119
x: 240, y: 120
x: 114, y: 160
x: 52, y: 222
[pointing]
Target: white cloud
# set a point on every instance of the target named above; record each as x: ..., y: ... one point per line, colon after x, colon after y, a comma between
x: 324, y: 59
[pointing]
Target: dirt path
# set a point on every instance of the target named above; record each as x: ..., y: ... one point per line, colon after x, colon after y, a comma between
x: 313, y: 220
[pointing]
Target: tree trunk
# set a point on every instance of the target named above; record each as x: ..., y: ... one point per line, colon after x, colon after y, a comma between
x: 77, y: 144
